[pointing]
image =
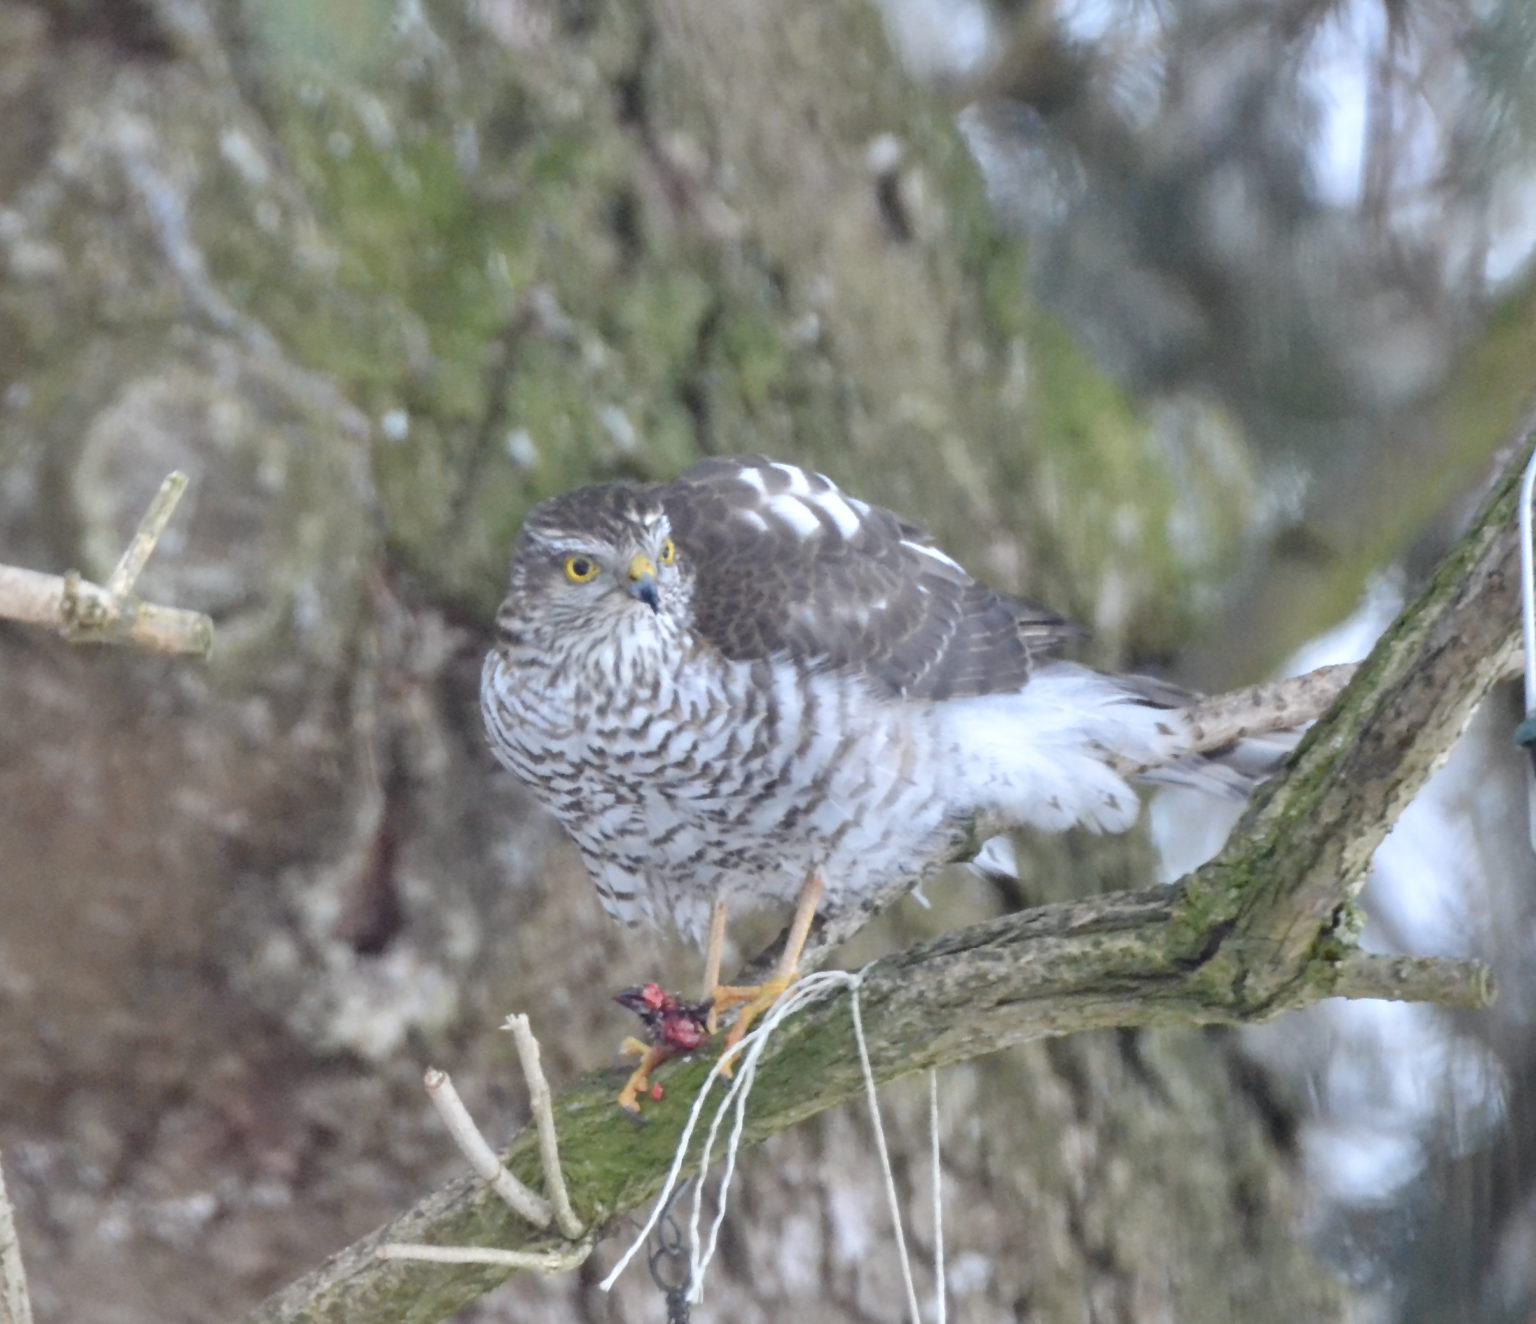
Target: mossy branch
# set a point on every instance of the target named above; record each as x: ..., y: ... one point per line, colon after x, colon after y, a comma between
x: 1276, y: 901
x: 1262, y: 929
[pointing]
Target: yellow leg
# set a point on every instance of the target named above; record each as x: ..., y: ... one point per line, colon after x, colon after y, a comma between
x: 639, y: 1082
x: 712, y: 955
x: 758, y: 998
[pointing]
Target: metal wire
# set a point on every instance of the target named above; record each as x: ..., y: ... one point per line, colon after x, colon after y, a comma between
x: 1526, y: 735
x: 667, y: 1247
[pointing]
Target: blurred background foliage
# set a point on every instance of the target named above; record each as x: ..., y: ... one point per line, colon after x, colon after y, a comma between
x: 1198, y: 319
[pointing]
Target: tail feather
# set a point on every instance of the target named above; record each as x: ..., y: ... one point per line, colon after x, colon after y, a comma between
x: 1060, y: 752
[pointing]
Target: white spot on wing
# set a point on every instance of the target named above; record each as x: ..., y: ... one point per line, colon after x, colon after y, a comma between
x: 838, y: 510
x: 794, y: 513
x: 753, y: 520
x: 752, y: 478
x: 933, y: 552
x: 799, y: 484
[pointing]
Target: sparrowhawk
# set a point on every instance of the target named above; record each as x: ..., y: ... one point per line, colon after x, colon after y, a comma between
x: 745, y: 687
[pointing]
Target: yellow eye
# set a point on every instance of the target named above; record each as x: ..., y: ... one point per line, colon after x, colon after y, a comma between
x: 668, y: 552
x: 580, y: 569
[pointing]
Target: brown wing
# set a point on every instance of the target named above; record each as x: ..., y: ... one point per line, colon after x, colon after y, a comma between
x: 783, y: 562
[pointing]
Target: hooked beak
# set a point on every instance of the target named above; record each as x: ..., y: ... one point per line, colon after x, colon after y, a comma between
x: 642, y: 582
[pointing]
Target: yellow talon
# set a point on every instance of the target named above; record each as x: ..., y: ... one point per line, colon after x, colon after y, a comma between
x: 639, y: 1081
x: 753, y: 999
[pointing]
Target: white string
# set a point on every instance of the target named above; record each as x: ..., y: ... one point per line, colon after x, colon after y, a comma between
x: 885, y: 1161
x: 807, y: 989
x: 821, y: 983
x: 939, y: 1303
x: 810, y: 988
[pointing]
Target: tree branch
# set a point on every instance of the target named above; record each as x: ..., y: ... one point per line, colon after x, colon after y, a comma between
x: 1413, y: 979
x: 1258, y: 710
x: 1258, y: 931
x: 87, y: 613
x: 15, y: 1304
x: 1052, y: 970
x: 1278, y: 896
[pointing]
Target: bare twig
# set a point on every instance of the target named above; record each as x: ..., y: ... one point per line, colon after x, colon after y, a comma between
x: 515, y: 1194
x: 15, y: 1304
x: 142, y: 545
x: 1258, y: 710
x: 550, y: 1261
x: 1445, y: 982
x: 482, y: 1158
x: 85, y: 612
x: 1264, y: 709
x: 1276, y: 705
x: 544, y: 1118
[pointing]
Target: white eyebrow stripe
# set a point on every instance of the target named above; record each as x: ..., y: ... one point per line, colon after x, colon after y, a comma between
x: 799, y: 484
x: 753, y: 520
x: 752, y: 478
x: 838, y: 510
x: 935, y: 553
x: 577, y: 545
x: 794, y: 513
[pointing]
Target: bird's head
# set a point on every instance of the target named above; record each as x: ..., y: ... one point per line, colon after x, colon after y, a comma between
x: 597, y: 566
